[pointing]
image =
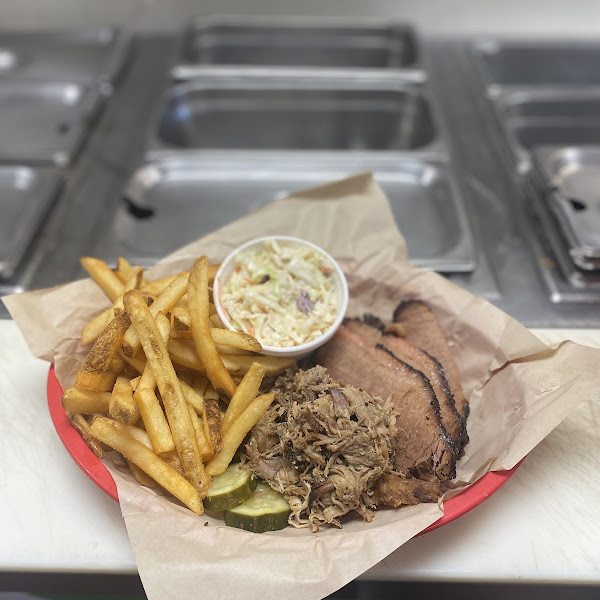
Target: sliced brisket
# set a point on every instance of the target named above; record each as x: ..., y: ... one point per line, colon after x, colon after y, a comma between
x: 423, y: 444
x: 432, y: 369
x: 424, y: 331
x: 429, y: 366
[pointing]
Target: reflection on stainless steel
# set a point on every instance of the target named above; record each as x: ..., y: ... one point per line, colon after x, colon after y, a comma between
x: 41, y: 122
x: 83, y: 57
x: 516, y: 63
x: 288, y: 113
x: 460, y: 163
x: 25, y: 195
x: 177, y: 198
x: 543, y: 100
x: 299, y: 42
x: 573, y: 176
x: 550, y: 117
x: 586, y: 281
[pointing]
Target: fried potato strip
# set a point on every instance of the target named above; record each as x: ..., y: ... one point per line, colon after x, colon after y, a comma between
x: 88, y: 402
x: 245, y: 393
x: 174, y: 402
x: 163, y: 303
x: 103, y: 429
x: 122, y: 406
x: 104, y: 276
x: 237, y: 432
x: 199, y: 314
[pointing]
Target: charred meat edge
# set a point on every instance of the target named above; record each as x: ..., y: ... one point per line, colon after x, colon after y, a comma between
x: 448, y: 364
x: 429, y: 465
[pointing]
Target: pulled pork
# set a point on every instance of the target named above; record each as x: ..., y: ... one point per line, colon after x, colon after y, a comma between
x: 323, y: 446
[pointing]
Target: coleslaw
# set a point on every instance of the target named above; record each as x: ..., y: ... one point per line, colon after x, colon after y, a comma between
x: 281, y: 293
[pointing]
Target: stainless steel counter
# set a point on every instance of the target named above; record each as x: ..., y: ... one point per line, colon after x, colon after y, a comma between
x: 82, y: 220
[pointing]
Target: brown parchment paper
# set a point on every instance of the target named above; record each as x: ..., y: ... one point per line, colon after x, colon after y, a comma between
x: 519, y: 390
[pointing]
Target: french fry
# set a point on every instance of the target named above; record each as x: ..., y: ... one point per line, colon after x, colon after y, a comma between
x: 215, y: 321
x: 117, y: 365
x: 172, y: 459
x: 122, y: 406
x: 180, y: 318
x: 142, y: 436
x: 164, y: 327
x: 183, y: 302
x: 182, y: 315
x: 140, y: 476
x: 200, y: 383
x: 125, y: 271
x: 212, y: 272
x: 138, y: 364
x: 192, y: 397
x: 80, y: 423
x: 199, y: 313
x: 203, y: 442
x: 157, y: 286
x: 163, y: 303
x: 178, y: 416
x: 93, y: 329
x: 229, y: 350
x: 107, y: 344
x: 244, y: 394
x: 133, y: 383
x: 237, y: 432
x: 154, y: 288
x: 236, y: 364
x: 211, y: 420
x: 76, y: 400
x: 185, y: 355
x: 95, y: 382
x: 104, y: 430
x: 154, y: 420
x: 135, y: 432
x: 179, y: 330
x: 239, y: 364
x: 211, y: 393
x: 185, y: 376
x: 151, y: 412
x: 235, y: 339
x: 104, y: 276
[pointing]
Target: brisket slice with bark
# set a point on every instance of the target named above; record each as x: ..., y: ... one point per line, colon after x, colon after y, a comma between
x: 422, y: 444
x: 429, y: 366
x: 423, y: 330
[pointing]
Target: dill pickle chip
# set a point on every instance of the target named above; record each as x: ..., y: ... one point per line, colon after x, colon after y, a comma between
x: 266, y: 510
x: 229, y: 489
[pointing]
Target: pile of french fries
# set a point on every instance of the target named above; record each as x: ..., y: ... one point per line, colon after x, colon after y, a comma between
x: 165, y: 384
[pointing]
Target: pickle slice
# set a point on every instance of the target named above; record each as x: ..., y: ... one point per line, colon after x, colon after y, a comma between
x: 229, y: 489
x: 266, y: 510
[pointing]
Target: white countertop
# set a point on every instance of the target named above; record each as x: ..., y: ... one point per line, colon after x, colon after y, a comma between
x: 542, y: 526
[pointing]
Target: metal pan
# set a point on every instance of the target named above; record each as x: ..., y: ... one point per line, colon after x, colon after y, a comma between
x: 508, y: 64
x: 543, y: 118
x: 300, y: 42
x: 25, y: 195
x: 40, y: 122
x: 80, y: 56
x: 586, y: 283
x: 175, y: 200
x: 572, y: 175
x: 236, y: 111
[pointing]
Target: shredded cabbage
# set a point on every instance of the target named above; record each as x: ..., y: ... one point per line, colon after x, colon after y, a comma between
x: 281, y: 293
